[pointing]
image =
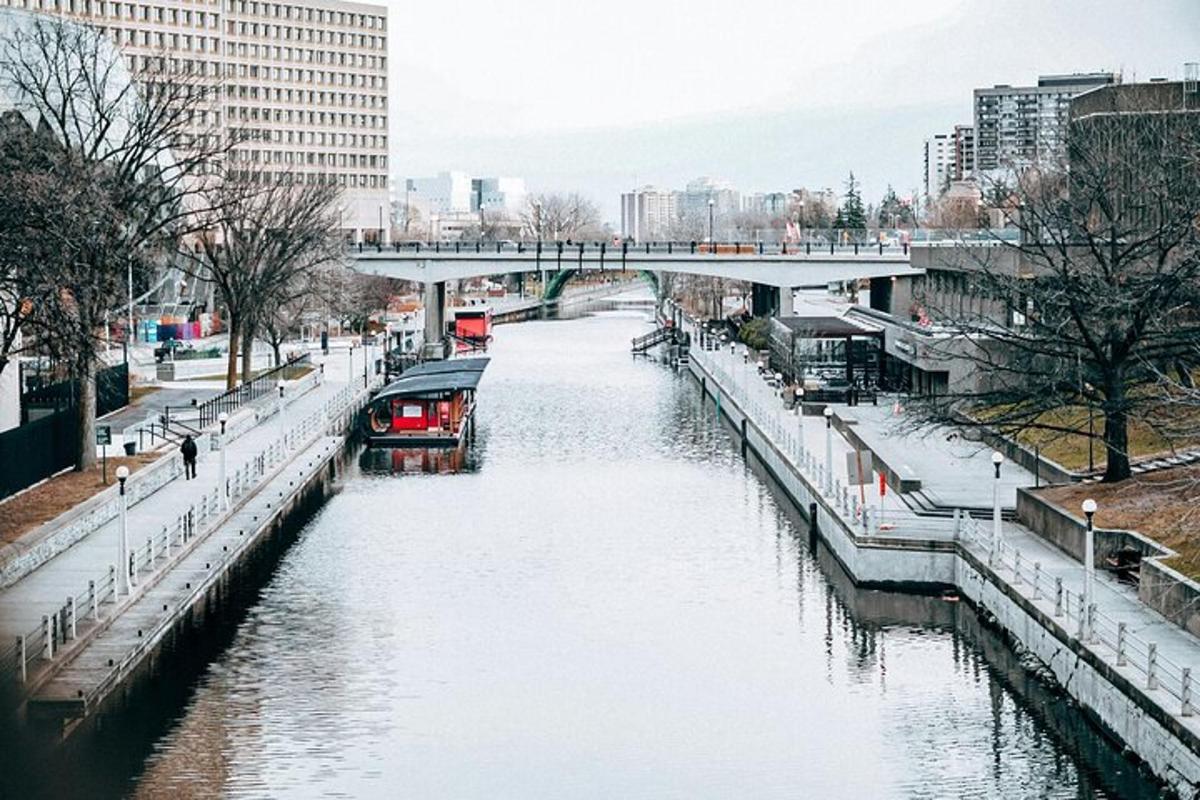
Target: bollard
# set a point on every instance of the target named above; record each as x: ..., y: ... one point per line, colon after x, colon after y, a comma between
x: 1185, y: 692
x: 95, y: 600
x: 1121, y: 644
x: 1058, y: 597
x: 1037, y: 580
x: 70, y: 618
x: 21, y: 668
x: 48, y: 638
x: 1152, y: 666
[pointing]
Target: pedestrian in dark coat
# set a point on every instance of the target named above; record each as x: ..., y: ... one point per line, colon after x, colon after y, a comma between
x: 189, y: 450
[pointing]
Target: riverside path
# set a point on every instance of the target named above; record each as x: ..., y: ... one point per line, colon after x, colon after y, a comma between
x: 1120, y: 659
x: 41, y: 633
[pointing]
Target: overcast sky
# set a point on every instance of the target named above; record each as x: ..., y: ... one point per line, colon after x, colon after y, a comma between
x: 771, y: 95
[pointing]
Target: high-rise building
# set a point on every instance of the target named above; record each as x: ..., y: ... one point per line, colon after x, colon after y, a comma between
x: 1016, y: 126
x: 648, y: 213
x: 444, y: 194
x: 504, y: 196
x: 696, y: 196
x: 964, y: 152
x: 939, y: 164
x: 307, y: 78
x: 773, y: 204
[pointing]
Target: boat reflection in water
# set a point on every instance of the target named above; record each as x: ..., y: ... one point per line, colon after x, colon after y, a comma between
x: 416, y: 460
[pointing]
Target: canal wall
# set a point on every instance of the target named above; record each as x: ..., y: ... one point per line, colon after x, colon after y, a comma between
x: 103, y: 677
x: 1111, y: 698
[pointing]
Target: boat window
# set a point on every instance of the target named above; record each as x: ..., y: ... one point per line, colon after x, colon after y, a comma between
x: 411, y: 410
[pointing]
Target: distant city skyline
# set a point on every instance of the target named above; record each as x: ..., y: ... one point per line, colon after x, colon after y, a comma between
x: 774, y: 112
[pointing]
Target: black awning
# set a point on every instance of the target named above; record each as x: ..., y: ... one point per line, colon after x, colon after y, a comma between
x: 436, y: 377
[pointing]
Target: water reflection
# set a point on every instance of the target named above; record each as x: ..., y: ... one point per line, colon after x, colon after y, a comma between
x: 427, y: 460
x: 615, y: 604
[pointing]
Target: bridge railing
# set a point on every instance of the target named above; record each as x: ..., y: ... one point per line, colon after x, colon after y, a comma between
x: 811, y: 242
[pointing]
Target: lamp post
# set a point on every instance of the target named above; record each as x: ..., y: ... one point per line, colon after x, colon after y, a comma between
x: 1089, y: 567
x: 223, y: 418
x: 123, y: 536
x: 800, y: 414
x: 828, y: 450
x: 997, y: 460
x: 712, y: 243
x: 350, y: 374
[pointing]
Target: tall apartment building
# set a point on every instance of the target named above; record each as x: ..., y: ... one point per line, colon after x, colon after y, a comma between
x: 939, y: 164
x: 1016, y: 126
x: 964, y: 152
x: 307, y: 78
x: 697, y: 194
x: 648, y: 213
x: 774, y: 204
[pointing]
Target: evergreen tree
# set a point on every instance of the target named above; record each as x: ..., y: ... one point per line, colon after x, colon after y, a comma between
x: 839, y: 221
x: 854, y: 216
x: 893, y: 211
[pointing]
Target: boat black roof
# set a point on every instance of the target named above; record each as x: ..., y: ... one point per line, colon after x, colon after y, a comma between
x: 434, y: 377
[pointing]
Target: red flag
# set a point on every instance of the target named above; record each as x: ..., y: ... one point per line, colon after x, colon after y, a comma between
x: 882, y: 484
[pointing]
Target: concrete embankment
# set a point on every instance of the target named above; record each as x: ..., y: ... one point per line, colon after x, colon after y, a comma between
x: 125, y: 646
x: 1133, y: 702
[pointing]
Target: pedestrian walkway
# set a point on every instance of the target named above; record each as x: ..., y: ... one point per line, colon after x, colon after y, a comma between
x: 42, y: 593
x: 1155, y: 655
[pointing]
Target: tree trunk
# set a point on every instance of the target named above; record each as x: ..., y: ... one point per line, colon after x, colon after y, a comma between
x: 1116, y: 444
x: 275, y: 348
x: 85, y: 409
x: 235, y: 336
x: 247, y: 355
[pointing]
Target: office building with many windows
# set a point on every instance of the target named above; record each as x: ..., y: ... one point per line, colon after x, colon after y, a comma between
x: 306, y: 81
x: 1017, y: 126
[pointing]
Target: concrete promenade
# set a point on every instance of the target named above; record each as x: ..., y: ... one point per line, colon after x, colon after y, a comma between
x: 162, y: 520
x: 1122, y: 660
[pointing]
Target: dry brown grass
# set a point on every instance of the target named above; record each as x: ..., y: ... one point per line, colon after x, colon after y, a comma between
x: 139, y: 390
x: 1163, y: 505
x: 44, y: 502
x: 1071, y: 449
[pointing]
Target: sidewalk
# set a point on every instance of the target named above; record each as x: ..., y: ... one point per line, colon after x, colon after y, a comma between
x: 1124, y: 630
x: 43, y: 591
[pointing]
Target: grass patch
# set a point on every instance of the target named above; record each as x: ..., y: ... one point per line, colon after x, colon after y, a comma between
x: 137, y: 392
x: 1163, y: 505
x: 1071, y: 449
x: 61, y: 493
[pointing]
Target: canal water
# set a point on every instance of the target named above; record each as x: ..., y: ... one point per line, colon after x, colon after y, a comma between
x: 605, y: 601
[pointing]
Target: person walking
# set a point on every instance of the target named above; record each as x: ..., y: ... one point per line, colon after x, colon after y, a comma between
x: 189, y: 450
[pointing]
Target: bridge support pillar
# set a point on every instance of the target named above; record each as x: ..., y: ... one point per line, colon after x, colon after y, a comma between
x: 787, y: 302
x: 435, y: 312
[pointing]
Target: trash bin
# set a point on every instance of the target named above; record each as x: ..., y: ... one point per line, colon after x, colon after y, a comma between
x: 130, y: 448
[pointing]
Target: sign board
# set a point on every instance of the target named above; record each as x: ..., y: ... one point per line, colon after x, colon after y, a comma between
x: 104, y: 434
x: 856, y: 461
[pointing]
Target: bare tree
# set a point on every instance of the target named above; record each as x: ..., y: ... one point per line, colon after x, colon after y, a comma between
x: 262, y: 235
x: 559, y: 217
x: 1097, y: 298
x: 128, y: 154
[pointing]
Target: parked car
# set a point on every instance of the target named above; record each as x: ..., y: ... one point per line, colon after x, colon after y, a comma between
x: 169, y: 348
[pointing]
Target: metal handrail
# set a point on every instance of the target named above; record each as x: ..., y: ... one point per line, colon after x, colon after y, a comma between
x: 1127, y: 647
x: 44, y: 641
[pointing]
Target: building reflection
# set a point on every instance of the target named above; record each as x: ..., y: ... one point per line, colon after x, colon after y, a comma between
x: 415, y: 461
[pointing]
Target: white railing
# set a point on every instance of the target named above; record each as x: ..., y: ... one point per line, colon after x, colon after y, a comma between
x: 164, y: 548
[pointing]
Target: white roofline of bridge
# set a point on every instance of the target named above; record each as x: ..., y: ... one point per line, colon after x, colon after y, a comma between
x: 790, y: 271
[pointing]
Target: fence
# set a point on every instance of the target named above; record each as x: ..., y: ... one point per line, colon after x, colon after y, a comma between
x: 1089, y: 625
x: 112, y: 392
x: 235, y: 398
x: 164, y: 548
x: 49, y: 443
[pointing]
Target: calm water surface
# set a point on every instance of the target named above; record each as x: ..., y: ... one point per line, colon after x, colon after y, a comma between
x: 613, y: 603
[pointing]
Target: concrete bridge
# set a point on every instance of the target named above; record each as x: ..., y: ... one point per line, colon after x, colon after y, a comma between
x: 772, y: 269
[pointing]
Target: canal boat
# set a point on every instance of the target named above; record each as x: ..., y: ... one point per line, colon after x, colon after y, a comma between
x: 471, y: 328
x: 430, y: 405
